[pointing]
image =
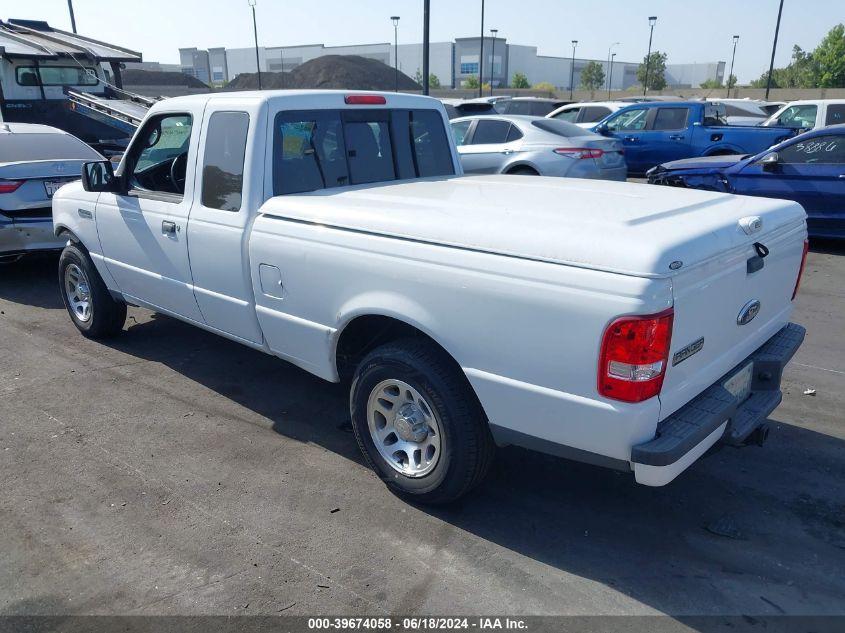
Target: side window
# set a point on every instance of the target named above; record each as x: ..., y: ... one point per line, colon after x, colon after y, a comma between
x: 223, y: 161
x: 826, y: 150
x: 568, y: 115
x: 459, y: 131
x: 519, y: 107
x: 634, y: 119
x: 835, y: 114
x: 800, y: 116
x: 369, y: 151
x: 594, y: 114
x: 432, y: 154
x: 514, y: 134
x: 160, y: 160
x: 489, y: 131
x: 671, y: 119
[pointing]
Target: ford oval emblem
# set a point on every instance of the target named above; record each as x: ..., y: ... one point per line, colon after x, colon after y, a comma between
x: 748, y: 312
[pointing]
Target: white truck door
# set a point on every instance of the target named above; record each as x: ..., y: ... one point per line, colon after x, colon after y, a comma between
x: 225, y: 204
x: 144, y: 231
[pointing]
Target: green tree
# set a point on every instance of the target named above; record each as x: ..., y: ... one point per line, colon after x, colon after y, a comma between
x: 830, y: 58
x: 802, y: 72
x: 519, y: 81
x: 656, y: 65
x: 732, y: 82
x: 543, y: 85
x: 418, y: 77
x: 471, y: 82
x: 711, y: 84
x: 433, y: 81
x: 592, y: 77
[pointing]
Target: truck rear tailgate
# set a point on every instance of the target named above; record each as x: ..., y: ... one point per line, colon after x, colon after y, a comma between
x: 730, y: 305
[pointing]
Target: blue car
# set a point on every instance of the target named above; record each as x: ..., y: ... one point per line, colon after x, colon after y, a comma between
x: 809, y: 169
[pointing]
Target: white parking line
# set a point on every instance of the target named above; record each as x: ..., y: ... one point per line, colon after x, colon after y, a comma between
x: 832, y: 371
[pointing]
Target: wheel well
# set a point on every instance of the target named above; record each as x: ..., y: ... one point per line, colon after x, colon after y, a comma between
x: 365, y: 333
x: 63, y: 231
x: 524, y: 169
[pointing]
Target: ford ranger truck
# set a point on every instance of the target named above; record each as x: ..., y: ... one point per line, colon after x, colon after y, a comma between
x: 618, y: 324
x: 661, y: 131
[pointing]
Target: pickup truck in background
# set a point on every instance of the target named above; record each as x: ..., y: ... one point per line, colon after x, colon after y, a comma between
x: 623, y: 325
x: 660, y: 132
x: 808, y: 114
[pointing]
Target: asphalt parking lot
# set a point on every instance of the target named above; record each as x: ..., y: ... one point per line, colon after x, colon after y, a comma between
x: 173, y: 472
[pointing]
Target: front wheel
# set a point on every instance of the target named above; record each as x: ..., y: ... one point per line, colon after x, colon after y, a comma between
x: 418, y: 423
x: 91, y: 308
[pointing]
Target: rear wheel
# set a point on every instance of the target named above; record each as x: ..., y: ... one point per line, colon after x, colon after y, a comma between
x: 418, y: 423
x: 91, y: 308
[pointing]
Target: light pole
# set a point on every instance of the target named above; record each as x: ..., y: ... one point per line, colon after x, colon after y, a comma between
x: 395, y: 19
x: 255, y: 33
x: 774, y: 48
x: 609, y: 48
x: 652, y: 20
x: 426, y: 6
x: 572, y: 70
x: 731, y: 74
x: 493, y: 32
x: 610, y: 80
x: 481, y: 55
x: 72, y: 18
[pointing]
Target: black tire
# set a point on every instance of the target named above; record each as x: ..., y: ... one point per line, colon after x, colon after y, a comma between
x: 523, y: 171
x: 107, y: 316
x: 466, y: 448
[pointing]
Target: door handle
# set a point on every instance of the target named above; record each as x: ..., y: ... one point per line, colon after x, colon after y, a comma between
x: 842, y: 175
x: 676, y: 137
x: 168, y: 227
x: 507, y: 151
x: 631, y: 139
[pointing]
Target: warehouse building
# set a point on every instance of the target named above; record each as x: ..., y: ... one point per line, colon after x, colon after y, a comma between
x: 452, y: 62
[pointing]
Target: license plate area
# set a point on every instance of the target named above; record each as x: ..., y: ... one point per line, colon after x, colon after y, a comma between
x: 52, y: 186
x: 739, y: 385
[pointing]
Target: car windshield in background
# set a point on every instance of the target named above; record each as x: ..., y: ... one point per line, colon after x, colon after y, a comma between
x: 26, y: 147
x: 322, y: 149
x: 560, y: 128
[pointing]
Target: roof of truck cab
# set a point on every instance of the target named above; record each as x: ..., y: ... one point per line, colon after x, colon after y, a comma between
x: 299, y: 98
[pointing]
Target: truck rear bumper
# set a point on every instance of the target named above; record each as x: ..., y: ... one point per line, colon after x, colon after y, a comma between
x: 717, y: 414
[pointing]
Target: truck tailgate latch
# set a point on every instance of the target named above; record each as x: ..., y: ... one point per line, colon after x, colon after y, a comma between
x: 753, y: 264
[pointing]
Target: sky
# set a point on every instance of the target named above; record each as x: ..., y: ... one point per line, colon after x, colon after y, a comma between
x: 687, y: 31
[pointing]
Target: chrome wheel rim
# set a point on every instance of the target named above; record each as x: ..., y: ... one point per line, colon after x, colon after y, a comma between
x: 78, y: 293
x: 404, y: 428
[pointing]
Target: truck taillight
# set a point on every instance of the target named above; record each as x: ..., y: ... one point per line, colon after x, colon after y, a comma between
x: 634, y: 354
x: 364, y: 100
x: 9, y: 186
x: 579, y: 152
x: 801, y: 268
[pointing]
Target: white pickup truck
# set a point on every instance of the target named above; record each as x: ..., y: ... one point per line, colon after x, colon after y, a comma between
x: 619, y: 324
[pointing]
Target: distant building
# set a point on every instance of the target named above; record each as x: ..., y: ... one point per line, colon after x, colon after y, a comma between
x: 452, y: 62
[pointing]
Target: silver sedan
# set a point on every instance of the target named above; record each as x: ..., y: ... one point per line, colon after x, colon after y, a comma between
x: 536, y: 146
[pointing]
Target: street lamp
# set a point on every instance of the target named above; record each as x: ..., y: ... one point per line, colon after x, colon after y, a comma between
x: 609, y: 66
x: 72, y: 17
x: 395, y: 19
x: 731, y: 74
x: 572, y: 69
x: 255, y: 32
x: 610, y: 79
x: 652, y: 20
x: 774, y: 48
x: 481, y: 55
x: 493, y: 32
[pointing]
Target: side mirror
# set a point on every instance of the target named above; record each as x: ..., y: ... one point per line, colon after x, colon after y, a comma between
x: 99, y: 176
x: 770, y: 162
x: 603, y: 129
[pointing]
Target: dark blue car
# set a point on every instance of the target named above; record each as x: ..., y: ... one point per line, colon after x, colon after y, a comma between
x: 809, y: 169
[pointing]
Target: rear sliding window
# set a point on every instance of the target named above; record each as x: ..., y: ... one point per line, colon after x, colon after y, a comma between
x: 322, y: 149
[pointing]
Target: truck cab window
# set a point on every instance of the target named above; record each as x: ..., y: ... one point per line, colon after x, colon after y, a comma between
x: 159, y: 162
x: 671, y: 118
x: 223, y: 162
x: 369, y: 151
x: 629, y: 120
